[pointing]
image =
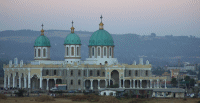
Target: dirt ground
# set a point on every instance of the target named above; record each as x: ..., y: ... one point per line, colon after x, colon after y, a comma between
x: 65, y: 100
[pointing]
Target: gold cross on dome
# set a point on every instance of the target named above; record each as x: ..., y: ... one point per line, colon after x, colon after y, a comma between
x: 101, y: 18
x: 42, y: 26
x: 72, y: 23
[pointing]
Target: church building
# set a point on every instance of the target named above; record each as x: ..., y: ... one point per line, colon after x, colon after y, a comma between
x: 99, y: 70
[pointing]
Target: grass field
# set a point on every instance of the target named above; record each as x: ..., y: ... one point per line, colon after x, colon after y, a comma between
x: 67, y: 100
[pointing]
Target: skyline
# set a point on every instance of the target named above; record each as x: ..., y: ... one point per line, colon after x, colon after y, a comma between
x: 142, y: 17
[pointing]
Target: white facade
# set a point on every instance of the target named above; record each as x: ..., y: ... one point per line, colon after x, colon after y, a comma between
x: 42, y: 53
x: 73, y: 54
x: 108, y: 93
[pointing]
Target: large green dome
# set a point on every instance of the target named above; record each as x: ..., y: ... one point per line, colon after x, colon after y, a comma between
x: 101, y: 37
x: 42, y: 41
x: 72, y: 38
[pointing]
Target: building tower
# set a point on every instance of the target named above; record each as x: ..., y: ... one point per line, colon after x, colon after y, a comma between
x: 72, y: 45
x: 42, y: 47
x: 101, y: 46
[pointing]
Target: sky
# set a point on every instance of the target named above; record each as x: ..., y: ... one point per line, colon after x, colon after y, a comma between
x: 142, y: 17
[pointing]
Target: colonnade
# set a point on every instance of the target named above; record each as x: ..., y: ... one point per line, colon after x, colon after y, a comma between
x: 133, y: 83
x: 7, y: 84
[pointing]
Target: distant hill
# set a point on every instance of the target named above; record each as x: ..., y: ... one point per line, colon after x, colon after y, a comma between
x: 159, y: 51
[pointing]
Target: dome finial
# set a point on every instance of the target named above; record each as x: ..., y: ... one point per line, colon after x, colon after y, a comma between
x: 101, y: 24
x: 101, y: 18
x: 42, y: 31
x: 72, y: 28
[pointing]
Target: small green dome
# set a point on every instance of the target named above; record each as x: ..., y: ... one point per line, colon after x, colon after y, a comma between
x: 42, y: 41
x: 72, y: 38
x: 101, y: 37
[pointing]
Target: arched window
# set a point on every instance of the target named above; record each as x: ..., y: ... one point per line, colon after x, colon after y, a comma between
x: 129, y: 72
x: 35, y: 52
x: 54, y: 72
x: 136, y: 73
x: 103, y: 73
x: 47, y: 72
x: 38, y: 52
x: 97, y: 72
x: 104, y: 51
x: 71, y: 72
x: 67, y: 50
x: 84, y: 72
x: 71, y: 82
x: 146, y: 73
x: 79, y: 72
x: 77, y: 51
x: 72, y: 51
x: 110, y: 51
x: 98, y: 51
x: 44, y: 52
x: 79, y: 82
x: 90, y: 72
x: 93, y: 51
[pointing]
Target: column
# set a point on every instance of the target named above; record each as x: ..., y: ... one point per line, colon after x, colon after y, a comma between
x: 150, y: 83
x: 123, y: 83
x: 41, y: 82
x: 84, y: 83
x: 157, y: 83
x: 55, y: 81
x: 20, y: 82
x: 130, y: 83
x: 13, y: 81
x: 87, y: 72
x: 140, y: 83
x: 165, y: 84
x: 133, y: 83
x: 5, y: 81
x: 48, y: 84
x: 29, y: 80
x: 91, y: 80
x: 160, y: 84
x: 120, y: 86
x: 98, y: 83
x: 137, y: 83
x: 105, y: 83
x: 24, y: 81
x: 8, y: 81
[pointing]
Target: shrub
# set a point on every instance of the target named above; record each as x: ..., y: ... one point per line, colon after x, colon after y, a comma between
x: 109, y: 99
x: 2, y: 96
x: 20, y: 93
x: 44, y: 98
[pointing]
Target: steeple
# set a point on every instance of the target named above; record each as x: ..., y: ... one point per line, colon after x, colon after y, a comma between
x: 72, y: 28
x: 42, y: 31
x: 101, y: 24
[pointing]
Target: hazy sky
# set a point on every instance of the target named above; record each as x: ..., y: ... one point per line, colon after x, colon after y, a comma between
x: 163, y: 17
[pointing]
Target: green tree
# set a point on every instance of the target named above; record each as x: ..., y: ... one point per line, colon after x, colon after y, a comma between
x: 187, y: 78
x: 192, y: 82
x: 174, y: 82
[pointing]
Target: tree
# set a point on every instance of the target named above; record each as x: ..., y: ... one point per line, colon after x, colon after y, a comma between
x: 187, y: 78
x: 192, y: 82
x: 174, y: 82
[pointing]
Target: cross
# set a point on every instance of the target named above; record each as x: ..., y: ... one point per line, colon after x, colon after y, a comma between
x: 42, y: 26
x: 72, y: 22
x: 101, y: 18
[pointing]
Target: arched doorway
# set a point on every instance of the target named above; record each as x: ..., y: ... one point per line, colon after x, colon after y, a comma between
x: 115, y: 77
x: 35, y: 82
